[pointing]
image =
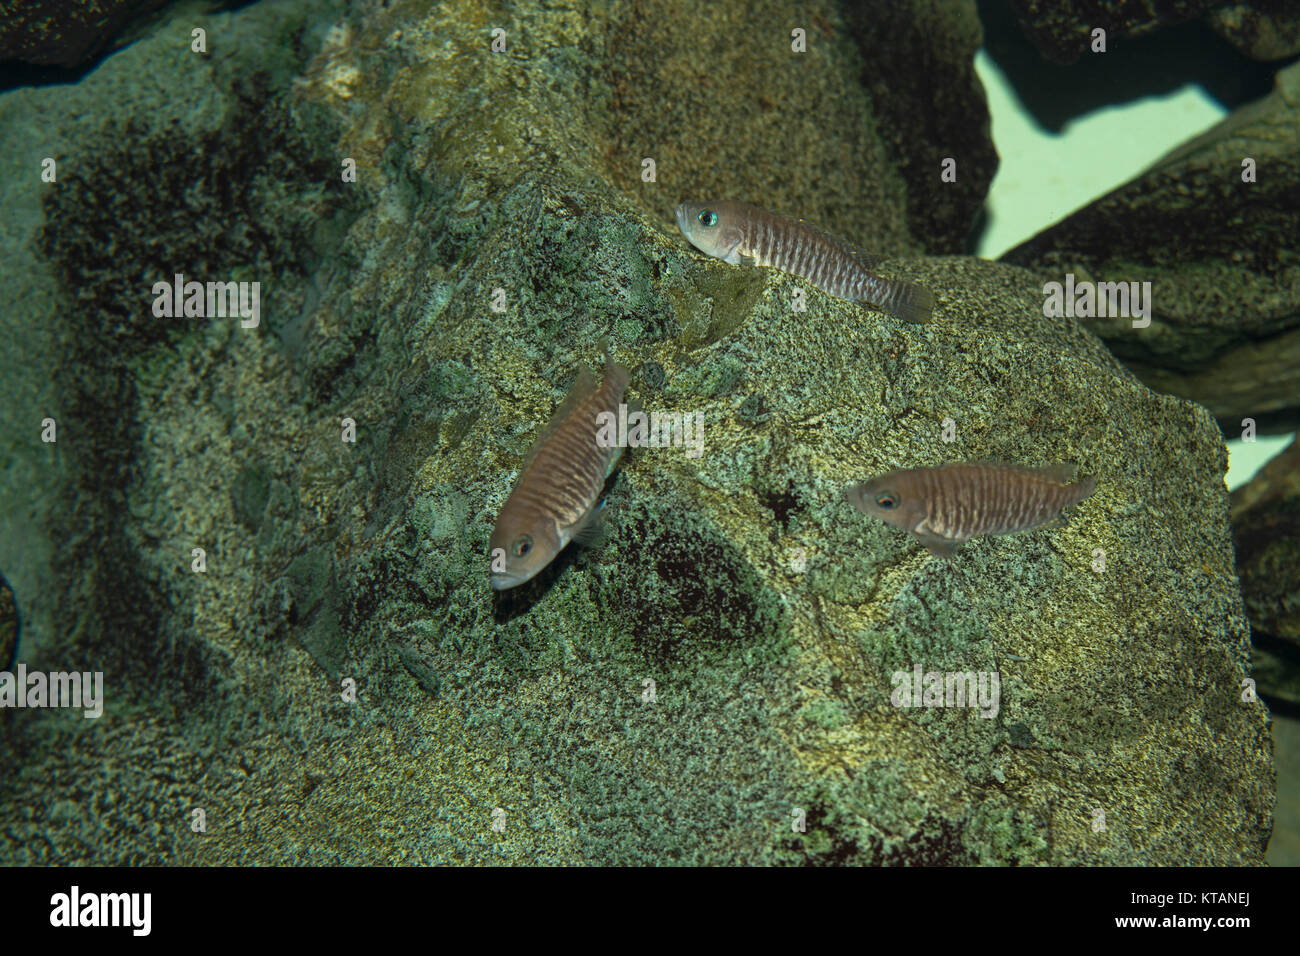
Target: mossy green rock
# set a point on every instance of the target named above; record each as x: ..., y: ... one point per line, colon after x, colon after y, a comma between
x: 766, y: 610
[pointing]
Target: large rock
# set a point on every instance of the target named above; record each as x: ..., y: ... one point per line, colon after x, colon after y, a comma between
x: 1262, y: 29
x: 851, y: 134
x: 1265, y: 516
x: 1266, y: 526
x: 10, y: 625
x: 68, y: 33
x: 1220, y: 254
x: 721, y: 670
x: 1062, y: 29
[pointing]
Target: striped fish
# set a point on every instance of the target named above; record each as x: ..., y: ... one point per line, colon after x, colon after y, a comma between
x: 557, y: 496
x: 742, y: 234
x: 947, y: 505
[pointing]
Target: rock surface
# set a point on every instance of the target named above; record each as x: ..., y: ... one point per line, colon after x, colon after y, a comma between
x: 67, y: 33
x: 1266, y: 528
x: 1062, y: 29
x: 341, y: 685
x: 1263, y: 29
x: 851, y: 134
x: 1221, y: 256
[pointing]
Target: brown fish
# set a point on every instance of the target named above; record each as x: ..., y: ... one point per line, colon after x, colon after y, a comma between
x: 557, y: 496
x: 742, y: 234
x: 947, y: 505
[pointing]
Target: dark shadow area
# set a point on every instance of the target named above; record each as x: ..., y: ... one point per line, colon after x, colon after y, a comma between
x: 1132, y: 68
x: 122, y: 28
x: 1289, y: 655
x: 14, y: 74
x: 513, y: 602
x: 1280, y: 706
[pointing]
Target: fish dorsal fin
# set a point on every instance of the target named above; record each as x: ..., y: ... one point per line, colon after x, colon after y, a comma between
x: 583, y: 386
x: 864, y: 259
x: 1062, y: 473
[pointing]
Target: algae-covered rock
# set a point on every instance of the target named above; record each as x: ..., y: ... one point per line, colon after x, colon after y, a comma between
x: 847, y: 124
x: 743, y: 583
x: 1212, y: 228
x: 719, y: 682
x: 1262, y: 29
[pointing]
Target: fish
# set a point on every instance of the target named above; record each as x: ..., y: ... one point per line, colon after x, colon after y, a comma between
x: 742, y: 234
x: 557, y: 497
x: 950, y: 504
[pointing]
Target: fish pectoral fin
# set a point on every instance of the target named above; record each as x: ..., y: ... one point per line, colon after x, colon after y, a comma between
x: 591, y: 531
x: 937, y: 546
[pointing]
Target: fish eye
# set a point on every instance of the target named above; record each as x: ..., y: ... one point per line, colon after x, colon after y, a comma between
x: 708, y: 217
x: 887, y: 500
x: 523, y: 544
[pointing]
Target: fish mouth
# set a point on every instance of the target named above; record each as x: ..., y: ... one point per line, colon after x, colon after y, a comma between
x: 504, y: 581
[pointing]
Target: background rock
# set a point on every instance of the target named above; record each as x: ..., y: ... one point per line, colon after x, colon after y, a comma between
x: 1263, y: 29
x: 65, y: 33
x: 850, y: 135
x: 1061, y: 29
x: 1220, y: 255
x: 1266, y: 528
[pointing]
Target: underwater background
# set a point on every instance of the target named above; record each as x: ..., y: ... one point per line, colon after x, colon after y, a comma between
x: 270, y: 533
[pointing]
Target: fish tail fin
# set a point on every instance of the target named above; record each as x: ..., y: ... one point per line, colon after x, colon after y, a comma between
x: 1085, y: 488
x: 905, y: 300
